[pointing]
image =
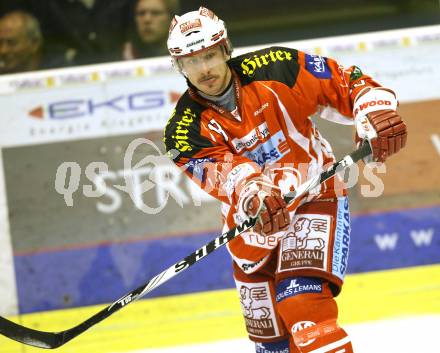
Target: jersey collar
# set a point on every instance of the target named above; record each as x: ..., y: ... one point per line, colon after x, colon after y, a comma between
x: 209, y: 104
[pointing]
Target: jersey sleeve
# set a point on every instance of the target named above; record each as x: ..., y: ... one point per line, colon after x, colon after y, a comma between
x: 331, y: 86
x: 207, y: 162
x: 314, y: 81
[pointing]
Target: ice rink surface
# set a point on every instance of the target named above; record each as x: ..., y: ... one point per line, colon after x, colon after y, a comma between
x: 392, y: 311
x: 407, y: 335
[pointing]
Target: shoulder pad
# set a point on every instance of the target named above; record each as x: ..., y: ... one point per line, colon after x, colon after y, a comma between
x: 269, y: 64
x: 182, y: 136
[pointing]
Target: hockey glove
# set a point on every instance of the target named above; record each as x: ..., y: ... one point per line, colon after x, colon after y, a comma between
x: 377, y: 121
x: 260, y: 197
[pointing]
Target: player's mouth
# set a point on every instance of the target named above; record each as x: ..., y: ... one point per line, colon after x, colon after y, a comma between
x: 208, y: 80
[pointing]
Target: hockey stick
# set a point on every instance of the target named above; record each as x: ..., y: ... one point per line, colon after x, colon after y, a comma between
x: 51, y: 340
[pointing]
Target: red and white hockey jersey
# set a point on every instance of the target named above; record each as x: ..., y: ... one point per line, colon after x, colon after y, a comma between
x: 277, y: 90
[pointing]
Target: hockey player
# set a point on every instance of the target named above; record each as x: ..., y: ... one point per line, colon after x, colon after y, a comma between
x: 243, y: 132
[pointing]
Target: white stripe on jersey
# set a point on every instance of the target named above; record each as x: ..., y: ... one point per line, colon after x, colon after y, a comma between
x: 294, y: 134
x: 332, y: 346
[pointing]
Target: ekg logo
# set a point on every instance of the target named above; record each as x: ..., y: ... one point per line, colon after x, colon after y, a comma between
x: 88, y: 107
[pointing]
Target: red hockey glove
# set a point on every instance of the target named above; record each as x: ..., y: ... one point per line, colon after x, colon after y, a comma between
x: 261, y: 197
x: 391, y: 134
x: 377, y: 120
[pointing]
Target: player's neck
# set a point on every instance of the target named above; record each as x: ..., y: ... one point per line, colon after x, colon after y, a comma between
x: 226, y: 99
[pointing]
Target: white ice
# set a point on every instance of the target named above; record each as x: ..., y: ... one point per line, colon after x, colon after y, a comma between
x: 404, y: 335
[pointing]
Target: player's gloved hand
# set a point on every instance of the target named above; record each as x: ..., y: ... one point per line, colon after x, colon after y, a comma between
x: 377, y: 120
x: 391, y: 134
x: 261, y: 197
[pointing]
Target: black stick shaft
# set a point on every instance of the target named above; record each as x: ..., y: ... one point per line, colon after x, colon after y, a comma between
x: 52, y: 340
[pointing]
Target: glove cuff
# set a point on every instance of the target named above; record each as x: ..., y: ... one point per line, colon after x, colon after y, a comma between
x: 377, y: 98
x: 374, y: 99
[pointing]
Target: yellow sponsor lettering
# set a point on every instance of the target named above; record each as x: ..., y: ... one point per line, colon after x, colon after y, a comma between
x: 263, y: 59
x: 250, y: 65
x: 279, y: 54
x: 247, y: 70
x: 257, y: 61
x: 181, y: 133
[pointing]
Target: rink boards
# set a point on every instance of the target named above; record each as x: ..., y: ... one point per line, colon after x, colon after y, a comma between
x: 93, y: 274
x: 215, y: 316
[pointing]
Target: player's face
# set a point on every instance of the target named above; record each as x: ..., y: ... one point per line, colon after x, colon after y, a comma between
x: 207, y: 70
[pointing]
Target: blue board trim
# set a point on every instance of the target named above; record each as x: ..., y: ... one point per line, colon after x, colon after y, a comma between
x: 100, y: 274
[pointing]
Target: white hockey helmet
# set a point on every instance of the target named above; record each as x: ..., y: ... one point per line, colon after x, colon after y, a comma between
x: 196, y: 31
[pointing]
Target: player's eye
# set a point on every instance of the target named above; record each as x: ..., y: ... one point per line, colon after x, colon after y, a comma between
x: 210, y: 55
x: 191, y: 61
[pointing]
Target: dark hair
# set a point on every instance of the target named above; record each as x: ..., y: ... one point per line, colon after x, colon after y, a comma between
x: 173, y: 6
x: 31, y: 25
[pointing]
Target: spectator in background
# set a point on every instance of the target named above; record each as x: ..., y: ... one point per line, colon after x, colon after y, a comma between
x: 151, y: 20
x: 80, y: 32
x: 20, y: 43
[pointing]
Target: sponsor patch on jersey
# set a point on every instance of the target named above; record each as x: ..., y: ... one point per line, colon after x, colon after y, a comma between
x: 180, y: 135
x: 254, y: 63
x: 196, y: 166
x: 300, y: 285
x: 355, y: 74
x: 270, y: 151
x: 262, y: 241
x: 306, y: 245
x: 249, y: 141
x: 317, y: 66
x: 258, y: 309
